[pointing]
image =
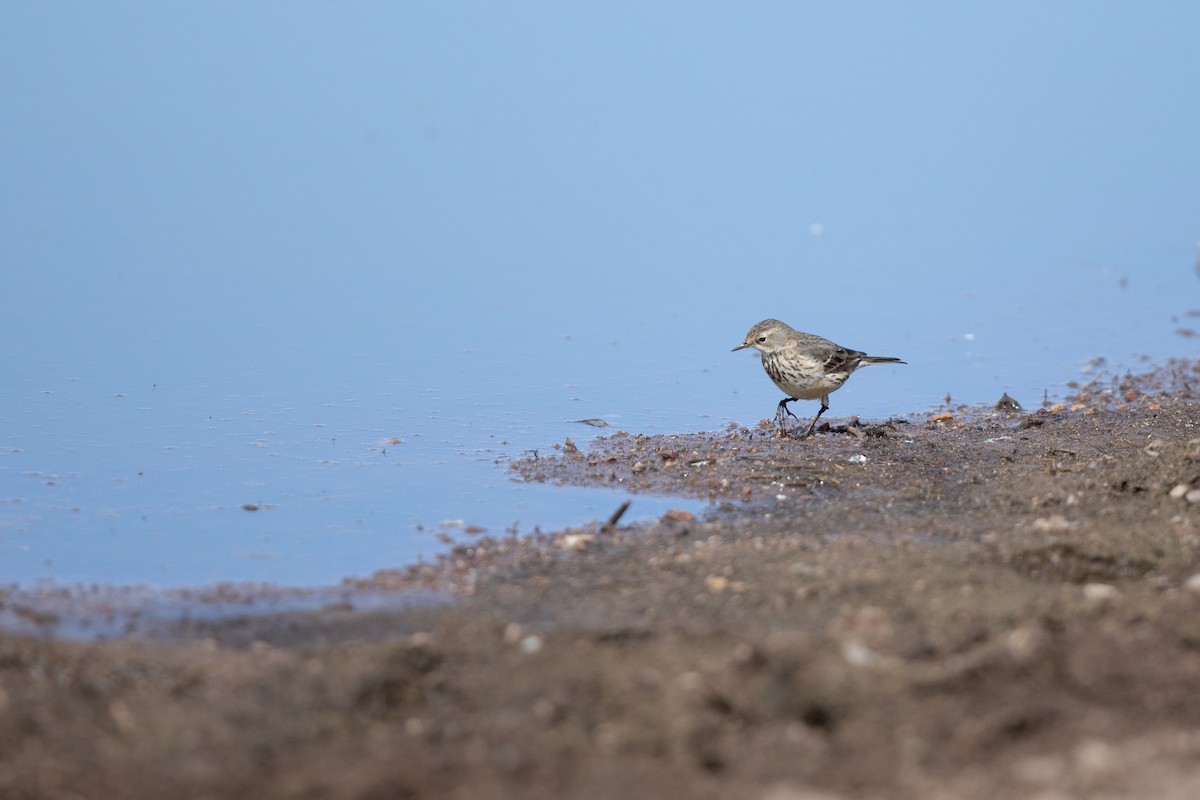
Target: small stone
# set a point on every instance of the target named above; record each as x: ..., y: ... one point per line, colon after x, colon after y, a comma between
x: 1024, y: 643
x: 1054, y: 522
x: 531, y: 644
x: 1006, y: 403
x: 679, y: 515
x: 716, y: 583
x: 1193, y: 496
x: 576, y: 541
x: 858, y: 458
x: 857, y: 654
x: 1099, y: 592
x: 1192, y: 584
x: 1178, y: 492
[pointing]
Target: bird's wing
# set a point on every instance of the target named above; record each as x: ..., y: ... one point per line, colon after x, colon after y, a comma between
x: 841, y: 359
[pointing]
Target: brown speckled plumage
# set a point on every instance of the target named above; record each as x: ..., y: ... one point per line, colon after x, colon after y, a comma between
x: 804, y: 366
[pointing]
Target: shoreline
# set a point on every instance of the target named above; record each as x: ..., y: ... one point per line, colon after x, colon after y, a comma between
x: 986, y: 605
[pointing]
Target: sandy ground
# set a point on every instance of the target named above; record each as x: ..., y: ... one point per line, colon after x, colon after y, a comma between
x: 974, y: 603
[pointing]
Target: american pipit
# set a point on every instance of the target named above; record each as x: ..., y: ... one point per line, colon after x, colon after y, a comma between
x: 804, y: 366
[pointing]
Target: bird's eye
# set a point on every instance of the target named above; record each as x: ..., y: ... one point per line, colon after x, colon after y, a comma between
x: 762, y: 339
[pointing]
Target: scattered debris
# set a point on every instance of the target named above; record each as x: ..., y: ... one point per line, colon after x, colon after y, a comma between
x: 716, y: 583
x: 1006, y: 403
x: 616, y: 517
x: 576, y: 541
x: 1099, y: 592
x: 1055, y: 522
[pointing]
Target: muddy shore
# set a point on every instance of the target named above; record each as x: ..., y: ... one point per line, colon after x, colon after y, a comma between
x: 969, y: 603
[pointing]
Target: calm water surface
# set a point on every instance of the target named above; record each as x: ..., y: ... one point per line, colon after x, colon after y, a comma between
x: 146, y: 477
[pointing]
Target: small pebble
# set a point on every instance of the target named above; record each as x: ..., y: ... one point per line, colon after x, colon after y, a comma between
x: 716, y: 583
x: 576, y: 541
x: 1006, y: 403
x: 1097, y: 592
x: 1178, y: 492
x: 1193, y: 496
x: 857, y: 654
x: 1054, y: 522
x: 1192, y: 584
x: 858, y: 458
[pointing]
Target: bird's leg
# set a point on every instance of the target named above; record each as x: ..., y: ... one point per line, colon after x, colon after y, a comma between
x: 782, y: 412
x: 824, y: 408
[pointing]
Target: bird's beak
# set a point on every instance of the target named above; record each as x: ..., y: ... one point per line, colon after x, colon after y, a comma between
x: 741, y: 346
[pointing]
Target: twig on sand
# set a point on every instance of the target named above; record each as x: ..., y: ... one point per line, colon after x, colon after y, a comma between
x: 616, y: 516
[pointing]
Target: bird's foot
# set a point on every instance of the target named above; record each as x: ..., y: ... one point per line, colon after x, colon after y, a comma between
x: 782, y: 412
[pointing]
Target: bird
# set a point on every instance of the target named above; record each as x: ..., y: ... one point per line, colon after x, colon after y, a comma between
x: 804, y: 366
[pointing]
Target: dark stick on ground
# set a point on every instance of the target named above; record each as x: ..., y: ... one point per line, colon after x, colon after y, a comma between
x: 616, y: 517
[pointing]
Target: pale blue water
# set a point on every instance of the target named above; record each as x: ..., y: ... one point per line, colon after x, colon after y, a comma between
x: 345, y: 264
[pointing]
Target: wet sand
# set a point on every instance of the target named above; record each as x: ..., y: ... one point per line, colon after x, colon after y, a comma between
x: 972, y: 603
